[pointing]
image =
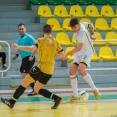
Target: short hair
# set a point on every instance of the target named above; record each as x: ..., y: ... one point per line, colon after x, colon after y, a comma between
x: 73, y: 22
x: 21, y: 24
x: 47, y: 28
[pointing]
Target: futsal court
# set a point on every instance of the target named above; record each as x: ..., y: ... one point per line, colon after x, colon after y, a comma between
x: 39, y: 106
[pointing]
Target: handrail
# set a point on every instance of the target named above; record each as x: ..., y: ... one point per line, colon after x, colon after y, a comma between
x: 9, y: 60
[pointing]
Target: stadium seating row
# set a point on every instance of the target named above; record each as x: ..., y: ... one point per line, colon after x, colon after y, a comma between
x: 73, y: 2
x: 76, y: 11
x: 111, y: 38
x: 100, y: 24
x: 105, y: 54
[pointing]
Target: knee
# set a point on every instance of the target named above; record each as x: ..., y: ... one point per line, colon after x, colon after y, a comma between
x: 72, y: 72
x: 36, y: 90
x: 24, y: 83
x: 81, y: 71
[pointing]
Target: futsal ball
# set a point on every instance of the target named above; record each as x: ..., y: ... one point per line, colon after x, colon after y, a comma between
x: 83, y: 96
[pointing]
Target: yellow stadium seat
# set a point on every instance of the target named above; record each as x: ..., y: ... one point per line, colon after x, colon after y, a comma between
x: 66, y: 25
x: 114, y: 23
x: 116, y: 53
x: 95, y: 57
x: 74, y: 38
x: 44, y: 11
x: 85, y: 20
x: 106, y: 54
x: 111, y: 36
x: 107, y: 11
x: 92, y: 11
x: 102, y: 25
x: 63, y: 39
x: 98, y: 37
x: 76, y: 11
x: 54, y: 24
x: 60, y: 11
x: 70, y: 57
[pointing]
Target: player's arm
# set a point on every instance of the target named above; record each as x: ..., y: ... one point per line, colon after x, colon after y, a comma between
x: 16, y: 55
x: 91, y: 30
x: 60, y: 54
x: 25, y: 48
x: 76, y: 49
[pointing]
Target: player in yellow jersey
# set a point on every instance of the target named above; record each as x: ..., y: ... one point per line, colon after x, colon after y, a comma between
x: 48, y: 47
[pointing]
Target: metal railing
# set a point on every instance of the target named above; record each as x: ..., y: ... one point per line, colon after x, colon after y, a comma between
x: 9, y: 58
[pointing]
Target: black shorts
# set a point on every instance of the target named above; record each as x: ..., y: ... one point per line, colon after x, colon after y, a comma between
x: 26, y: 65
x: 37, y: 74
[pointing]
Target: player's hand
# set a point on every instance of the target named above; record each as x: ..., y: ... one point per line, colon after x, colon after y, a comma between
x: 93, y: 37
x: 30, y: 58
x: 65, y: 57
x: 15, y: 57
x: 14, y: 46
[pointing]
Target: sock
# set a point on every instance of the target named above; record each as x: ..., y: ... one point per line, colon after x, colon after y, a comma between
x: 32, y: 85
x: 19, y: 91
x: 74, y: 85
x: 89, y: 80
x: 48, y: 94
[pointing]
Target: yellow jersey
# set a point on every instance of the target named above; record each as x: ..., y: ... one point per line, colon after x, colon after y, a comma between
x: 47, y: 48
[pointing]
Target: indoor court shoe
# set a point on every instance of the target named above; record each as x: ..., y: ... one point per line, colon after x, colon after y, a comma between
x: 32, y: 93
x: 97, y: 94
x: 7, y: 102
x: 57, y: 103
x: 72, y: 99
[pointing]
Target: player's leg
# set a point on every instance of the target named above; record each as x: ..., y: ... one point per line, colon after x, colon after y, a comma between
x: 88, y: 79
x: 25, y: 69
x: 19, y: 91
x: 42, y: 80
x: 74, y: 82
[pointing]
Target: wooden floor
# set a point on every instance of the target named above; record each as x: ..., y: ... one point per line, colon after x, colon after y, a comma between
x: 39, y: 106
x: 43, y: 109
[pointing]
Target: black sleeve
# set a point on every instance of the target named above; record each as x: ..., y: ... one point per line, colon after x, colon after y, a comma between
x: 60, y: 51
x: 36, y: 45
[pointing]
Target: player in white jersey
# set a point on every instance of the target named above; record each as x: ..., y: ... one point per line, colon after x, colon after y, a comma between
x: 84, y: 51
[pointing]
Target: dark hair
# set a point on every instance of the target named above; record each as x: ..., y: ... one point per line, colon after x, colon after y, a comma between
x: 20, y: 24
x: 47, y: 28
x: 73, y: 22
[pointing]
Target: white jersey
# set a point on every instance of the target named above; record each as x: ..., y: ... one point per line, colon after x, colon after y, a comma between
x: 85, y: 54
x: 83, y: 36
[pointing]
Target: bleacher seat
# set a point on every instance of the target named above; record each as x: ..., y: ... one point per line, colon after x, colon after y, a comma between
x: 66, y: 25
x: 76, y: 11
x: 112, y: 2
x: 60, y: 11
x: 69, y: 2
x: 84, y: 2
x: 54, y: 24
x: 111, y: 36
x: 107, y: 11
x: 102, y: 25
x: 99, y: 2
x: 98, y: 37
x: 63, y: 39
x: 114, y: 23
x: 38, y: 2
x: 85, y: 20
x: 95, y: 58
x: 74, y: 38
x: 53, y: 2
x: 70, y: 57
x: 92, y: 11
x: 106, y: 54
x: 44, y: 11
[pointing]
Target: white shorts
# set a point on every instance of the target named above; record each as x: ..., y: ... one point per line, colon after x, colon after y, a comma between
x: 83, y: 57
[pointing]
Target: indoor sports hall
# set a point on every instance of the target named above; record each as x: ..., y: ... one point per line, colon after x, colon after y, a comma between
x: 58, y: 13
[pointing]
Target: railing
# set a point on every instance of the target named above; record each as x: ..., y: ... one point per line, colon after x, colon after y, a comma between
x: 9, y: 58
